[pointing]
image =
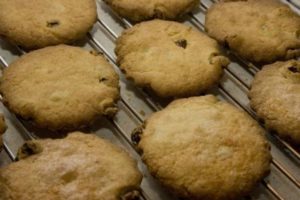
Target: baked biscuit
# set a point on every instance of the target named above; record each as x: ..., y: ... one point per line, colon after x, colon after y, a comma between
x: 149, y: 9
x: 261, y: 31
x: 60, y: 87
x: 78, y: 167
x: 2, y: 129
x: 275, y: 96
x: 36, y: 24
x: 202, y: 148
x: 170, y: 58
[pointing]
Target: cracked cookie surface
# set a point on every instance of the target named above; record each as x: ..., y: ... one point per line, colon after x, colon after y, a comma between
x: 139, y: 10
x: 60, y: 87
x: 80, y: 166
x: 275, y: 96
x: 170, y: 58
x: 35, y: 24
x: 260, y: 31
x: 202, y: 148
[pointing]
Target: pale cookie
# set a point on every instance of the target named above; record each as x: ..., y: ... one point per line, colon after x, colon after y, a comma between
x: 35, y: 24
x: 81, y: 167
x: 202, y: 148
x: 60, y: 87
x: 139, y: 10
x: 2, y: 129
x: 170, y: 58
x: 261, y: 31
x: 275, y: 96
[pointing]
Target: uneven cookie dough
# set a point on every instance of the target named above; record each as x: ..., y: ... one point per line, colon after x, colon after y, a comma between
x: 202, y: 148
x: 139, y: 10
x: 81, y: 167
x: 38, y: 23
x: 261, y: 31
x: 170, y: 58
x: 275, y: 96
x: 60, y: 87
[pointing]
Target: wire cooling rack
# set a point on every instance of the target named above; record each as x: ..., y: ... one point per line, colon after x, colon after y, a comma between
x: 136, y: 105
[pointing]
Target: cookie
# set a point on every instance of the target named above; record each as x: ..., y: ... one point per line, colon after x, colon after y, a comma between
x: 36, y: 24
x: 261, y: 31
x: 149, y: 9
x: 2, y: 129
x: 275, y: 96
x: 60, y: 87
x: 78, y: 167
x: 172, y: 59
x: 202, y: 148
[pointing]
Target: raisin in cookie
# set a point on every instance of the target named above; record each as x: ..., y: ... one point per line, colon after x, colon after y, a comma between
x: 60, y: 87
x: 36, y: 24
x: 170, y: 58
x: 261, y: 31
x: 2, y: 129
x: 139, y: 10
x: 202, y: 148
x: 275, y: 96
x: 78, y: 167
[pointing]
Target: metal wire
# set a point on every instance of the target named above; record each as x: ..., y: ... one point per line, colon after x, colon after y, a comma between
x: 3, y: 62
x: 272, y: 190
x: 11, y: 155
x: 297, y: 6
x: 285, y: 172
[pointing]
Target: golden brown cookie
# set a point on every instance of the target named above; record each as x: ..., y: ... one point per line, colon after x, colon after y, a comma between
x: 170, y: 58
x: 2, y: 129
x: 275, y: 96
x: 35, y: 24
x: 81, y: 167
x: 202, y: 148
x: 60, y: 87
x: 149, y: 9
x: 261, y: 31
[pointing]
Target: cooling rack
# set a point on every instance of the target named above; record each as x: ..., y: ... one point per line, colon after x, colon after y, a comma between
x: 136, y: 105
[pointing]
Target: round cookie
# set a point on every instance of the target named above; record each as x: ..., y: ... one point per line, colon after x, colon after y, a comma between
x: 78, y: 167
x: 202, y: 148
x: 149, y: 9
x: 261, y: 31
x: 2, y: 129
x: 275, y: 96
x: 170, y: 58
x: 36, y: 24
x: 60, y: 87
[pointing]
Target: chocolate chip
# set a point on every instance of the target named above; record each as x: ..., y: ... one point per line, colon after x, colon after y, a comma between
x: 136, y: 138
x: 294, y: 69
x: 69, y: 176
x: 28, y: 149
x: 102, y: 79
x: 136, y: 135
x: 181, y: 43
x: 226, y: 44
x: 52, y: 23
